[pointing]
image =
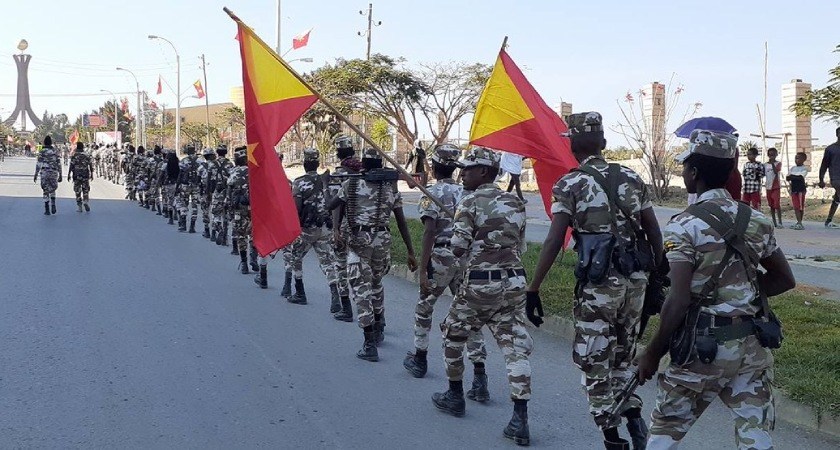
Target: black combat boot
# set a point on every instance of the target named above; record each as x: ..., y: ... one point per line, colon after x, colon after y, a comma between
x: 243, y: 262
x: 262, y: 278
x: 379, y: 329
x: 52, y: 205
x: 79, y: 206
x: 159, y: 212
x: 451, y: 401
x: 620, y: 444
x: 47, y: 208
x: 206, y: 233
x: 335, y: 300
x: 234, y: 248
x: 368, y: 351
x: 182, y: 223
x: 87, y: 206
x: 479, y: 392
x: 300, y: 295
x: 171, y: 216
x: 224, y: 236
x: 517, y: 428
x: 253, y: 258
x: 192, y: 224
x: 346, y: 313
x: 287, y: 285
x: 213, y: 235
x: 416, y: 364
x: 637, y: 428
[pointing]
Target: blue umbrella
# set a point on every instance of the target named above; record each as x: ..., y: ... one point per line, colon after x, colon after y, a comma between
x: 704, y: 123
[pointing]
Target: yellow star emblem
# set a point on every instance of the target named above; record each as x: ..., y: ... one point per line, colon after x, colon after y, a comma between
x: 251, y: 159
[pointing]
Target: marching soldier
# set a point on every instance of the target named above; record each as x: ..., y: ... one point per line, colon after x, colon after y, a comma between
x: 207, y: 187
x: 365, y: 209
x: 49, y: 167
x: 127, y: 168
x: 308, y: 191
x: 155, y: 165
x: 238, y: 198
x: 220, y: 172
x: 439, y: 268
x: 81, y: 173
x: 489, y: 231
x: 170, y: 173
x: 188, y: 189
x: 609, y: 210
x: 138, y: 167
x: 348, y: 164
x: 714, y: 249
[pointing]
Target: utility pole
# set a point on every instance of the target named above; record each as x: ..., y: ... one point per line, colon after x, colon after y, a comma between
x: 206, y: 97
x: 370, y: 26
x: 278, y: 49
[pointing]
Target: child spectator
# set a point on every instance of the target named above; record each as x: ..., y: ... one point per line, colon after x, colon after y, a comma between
x: 753, y: 173
x: 771, y: 182
x: 796, y: 177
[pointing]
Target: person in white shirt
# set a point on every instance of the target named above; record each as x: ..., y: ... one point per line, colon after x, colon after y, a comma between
x: 512, y: 164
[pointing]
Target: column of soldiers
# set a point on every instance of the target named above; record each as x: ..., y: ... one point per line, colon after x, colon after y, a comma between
x: 477, y: 254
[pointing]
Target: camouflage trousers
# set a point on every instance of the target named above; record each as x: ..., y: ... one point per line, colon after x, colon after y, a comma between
x: 205, y: 209
x: 129, y: 183
x: 499, y: 304
x: 188, y: 196
x: 445, y: 270
x: 168, y: 196
x: 154, y: 193
x: 217, y: 209
x: 319, y: 238
x: 49, y: 183
x: 606, y: 328
x: 340, y: 269
x: 741, y: 376
x: 368, y: 261
x: 242, y: 228
x: 82, y: 189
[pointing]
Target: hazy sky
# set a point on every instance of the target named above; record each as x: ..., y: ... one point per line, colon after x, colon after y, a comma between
x: 586, y: 53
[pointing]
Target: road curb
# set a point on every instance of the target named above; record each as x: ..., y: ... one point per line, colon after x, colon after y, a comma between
x: 787, y: 410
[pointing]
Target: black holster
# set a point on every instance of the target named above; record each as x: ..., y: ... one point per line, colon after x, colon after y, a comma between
x: 595, y: 255
x: 768, y: 330
x: 682, y: 347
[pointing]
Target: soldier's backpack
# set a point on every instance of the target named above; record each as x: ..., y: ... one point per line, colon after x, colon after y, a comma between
x: 309, y: 215
x: 81, y: 167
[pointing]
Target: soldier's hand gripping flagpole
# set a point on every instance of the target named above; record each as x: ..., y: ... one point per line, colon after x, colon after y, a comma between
x: 344, y: 118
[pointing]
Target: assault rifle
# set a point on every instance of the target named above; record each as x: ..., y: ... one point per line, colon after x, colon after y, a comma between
x: 374, y: 175
x: 623, y: 396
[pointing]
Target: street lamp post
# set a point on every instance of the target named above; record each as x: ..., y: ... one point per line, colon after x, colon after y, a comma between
x: 137, y: 139
x: 116, y: 117
x: 306, y: 60
x: 177, y: 94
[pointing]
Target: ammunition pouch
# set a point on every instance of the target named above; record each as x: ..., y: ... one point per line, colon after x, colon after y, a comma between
x: 682, y: 346
x: 768, y: 330
x: 595, y: 254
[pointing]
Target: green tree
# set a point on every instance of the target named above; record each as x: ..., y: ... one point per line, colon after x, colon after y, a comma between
x: 54, y: 126
x: 381, y: 134
x: 454, y: 90
x: 823, y: 103
x: 125, y: 122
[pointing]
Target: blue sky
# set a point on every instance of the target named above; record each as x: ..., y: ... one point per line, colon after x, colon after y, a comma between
x: 586, y: 53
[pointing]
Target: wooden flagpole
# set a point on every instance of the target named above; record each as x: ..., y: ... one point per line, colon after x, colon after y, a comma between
x: 342, y: 117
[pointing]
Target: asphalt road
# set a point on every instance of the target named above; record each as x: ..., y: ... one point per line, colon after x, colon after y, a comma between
x: 118, y: 331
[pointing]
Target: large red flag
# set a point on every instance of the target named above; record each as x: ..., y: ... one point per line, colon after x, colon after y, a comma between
x: 512, y: 116
x: 274, y: 100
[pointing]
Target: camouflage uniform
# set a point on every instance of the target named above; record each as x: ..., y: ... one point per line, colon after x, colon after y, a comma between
x: 138, y: 168
x: 153, y: 170
x: 127, y: 168
x: 237, y: 191
x: 741, y: 374
x: 490, y: 226
x: 188, y: 187
x: 309, y: 189
x: 365, y: 229
x: 219, y: 172
x: 607, y: 314
x: 49, y: 167
x: 168, y: 186
x: 205, y: 189
x: 81, y: 171
x: 345, y: 167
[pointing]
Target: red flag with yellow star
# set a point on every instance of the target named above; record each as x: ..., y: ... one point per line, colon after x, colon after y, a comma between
x: 274, y: 100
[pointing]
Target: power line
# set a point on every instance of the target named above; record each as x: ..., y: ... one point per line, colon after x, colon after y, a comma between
x: 96, y: 94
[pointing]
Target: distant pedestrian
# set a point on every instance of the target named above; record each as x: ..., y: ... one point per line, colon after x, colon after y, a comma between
x: 512, y: 164
x: 831, y: 164
x: 753, y: 173
x: 49, y: 167
x: 796, y: 177
x: 772, y: 169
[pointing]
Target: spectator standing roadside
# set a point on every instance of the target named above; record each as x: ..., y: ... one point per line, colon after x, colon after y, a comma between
x: 753, y: 173
x: 772, y: 169
x: 796, y: 177
x: 831, y: 164
x: 512, y: 164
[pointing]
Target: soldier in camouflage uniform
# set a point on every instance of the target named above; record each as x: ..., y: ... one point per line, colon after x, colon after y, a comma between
x: 607, y: 311
x: 188, y: 190
x: 364, y: 212
x: 141, y: 183
x: 489, y: 232
x: 206, y: 188
x: 127, y: 163
x: 49, y: 167
x: 81, y: 173
x: 155, y: 165
x: 740, y: 372
x: 170, y: 172
x: 238, y: 198
x: 219, y: 173
x: 348, y: 164
x: 439, y: 269
x: 308, y: 192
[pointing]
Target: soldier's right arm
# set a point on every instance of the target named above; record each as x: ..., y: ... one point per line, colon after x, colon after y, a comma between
x: 463, y: 227
x: 562, y: 210
x: 824, y: 165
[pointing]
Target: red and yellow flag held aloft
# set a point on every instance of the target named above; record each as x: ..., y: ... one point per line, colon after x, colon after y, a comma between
x: 274, y: 100
x: 511, y: 116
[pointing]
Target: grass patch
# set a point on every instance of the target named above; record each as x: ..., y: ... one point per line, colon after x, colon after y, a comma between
x: 807, y: 365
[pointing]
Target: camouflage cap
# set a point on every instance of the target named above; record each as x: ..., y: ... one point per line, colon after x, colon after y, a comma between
x: 208, y: 152
x: 480, y: 156
x: 710, y: 143
x: 585, y: 122
x: 343, y: 142
x: 371, y: 153
x: 311, y: 154
x: 446, y: 154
